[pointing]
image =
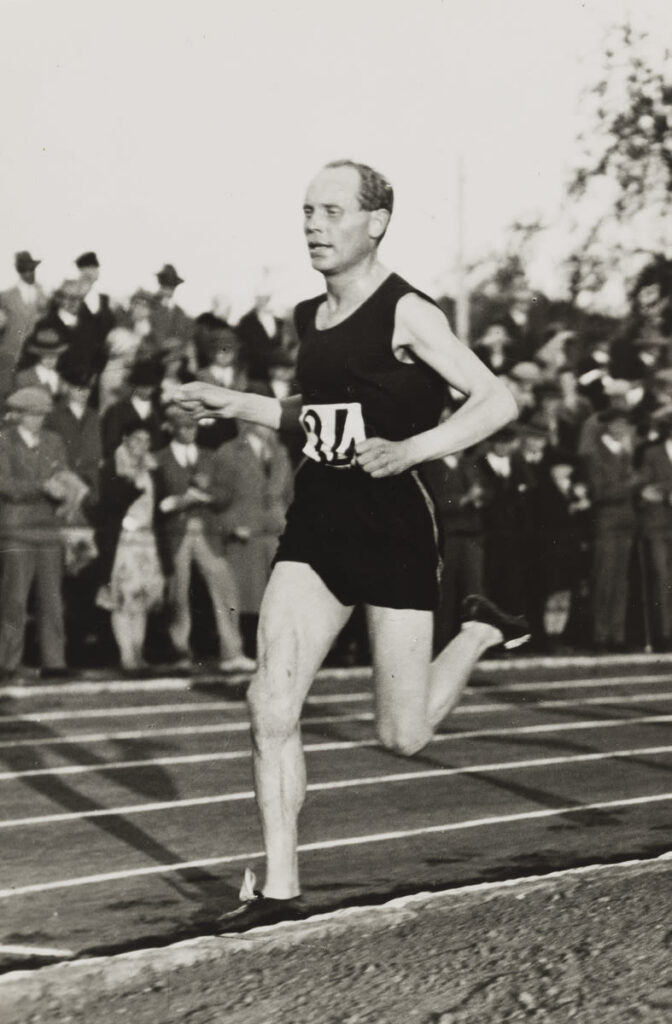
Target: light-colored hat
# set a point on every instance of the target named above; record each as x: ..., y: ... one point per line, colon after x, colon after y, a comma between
x: 526, y: 371
x: 31, y: 399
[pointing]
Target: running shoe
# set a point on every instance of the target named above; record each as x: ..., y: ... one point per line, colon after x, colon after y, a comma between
x: 257, y: 910
x: 515, y: 629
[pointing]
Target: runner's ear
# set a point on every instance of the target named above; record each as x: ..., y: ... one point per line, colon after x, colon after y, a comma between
x: 378, y: 221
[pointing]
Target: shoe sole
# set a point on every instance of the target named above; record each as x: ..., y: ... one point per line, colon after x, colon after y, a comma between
x: 518, y: 641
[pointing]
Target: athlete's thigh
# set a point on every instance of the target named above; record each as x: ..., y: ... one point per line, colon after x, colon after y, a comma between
x: 401, y: 652
x: 299, y: 620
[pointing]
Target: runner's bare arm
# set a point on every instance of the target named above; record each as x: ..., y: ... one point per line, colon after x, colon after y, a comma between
x: 205, y: 401
x: 422, y: 331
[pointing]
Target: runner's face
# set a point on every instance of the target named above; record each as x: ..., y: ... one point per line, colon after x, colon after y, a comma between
x: 337, y: 229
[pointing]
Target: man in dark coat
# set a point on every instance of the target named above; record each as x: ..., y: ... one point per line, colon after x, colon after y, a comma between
x: 141, y: 406
x: 656, y: 527
x: 95, y: 316
x: 168, y: 319
x: 612, y: 486
x: 260, y: 334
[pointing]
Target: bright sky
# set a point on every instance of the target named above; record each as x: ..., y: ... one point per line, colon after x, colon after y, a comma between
x: 185, y: 131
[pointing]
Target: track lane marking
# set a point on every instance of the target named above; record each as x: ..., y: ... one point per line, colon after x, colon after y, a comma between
x: 318, y: 787
x: 331, y: 844
x: 182, y: 709
x: 80, y: 739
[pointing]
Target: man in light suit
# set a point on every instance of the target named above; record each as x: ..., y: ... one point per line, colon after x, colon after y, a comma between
x: 22, y: 306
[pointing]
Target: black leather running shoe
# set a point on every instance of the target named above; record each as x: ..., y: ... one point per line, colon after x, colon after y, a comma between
x: 514, y: 628
x: 259, y: 913
x: 257, y: 910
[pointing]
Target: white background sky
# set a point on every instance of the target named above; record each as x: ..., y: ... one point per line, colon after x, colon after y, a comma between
x: 185, y: 131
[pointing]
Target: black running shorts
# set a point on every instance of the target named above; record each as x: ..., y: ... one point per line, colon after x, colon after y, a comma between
x: 370, y: 541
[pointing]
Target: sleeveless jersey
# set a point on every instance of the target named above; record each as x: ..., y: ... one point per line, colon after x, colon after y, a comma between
x: 353, y: 385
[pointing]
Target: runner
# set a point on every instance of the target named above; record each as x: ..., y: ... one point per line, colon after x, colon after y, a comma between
x: 375, y: 359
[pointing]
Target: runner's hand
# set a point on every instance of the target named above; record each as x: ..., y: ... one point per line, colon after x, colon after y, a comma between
x: 204, y: 400
x: 380, y: 458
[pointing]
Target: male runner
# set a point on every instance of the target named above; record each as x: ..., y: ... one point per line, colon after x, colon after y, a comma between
x: 375, y: 360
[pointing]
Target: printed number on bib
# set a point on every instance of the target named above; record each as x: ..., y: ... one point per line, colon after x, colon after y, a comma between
x: 332, y: 431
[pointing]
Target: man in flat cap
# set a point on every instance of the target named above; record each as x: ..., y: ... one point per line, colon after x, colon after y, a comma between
x: 95, y: 315
x: 33, y: 495
x: 168, y: 318
x: 20, y: 309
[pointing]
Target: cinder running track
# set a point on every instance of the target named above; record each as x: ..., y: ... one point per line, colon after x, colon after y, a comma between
x: 128, y: 817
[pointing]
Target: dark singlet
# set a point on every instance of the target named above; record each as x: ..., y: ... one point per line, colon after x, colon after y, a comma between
x: 352, y: 383
x: 371, y: 540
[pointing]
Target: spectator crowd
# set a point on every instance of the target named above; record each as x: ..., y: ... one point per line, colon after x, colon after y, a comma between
x: 111, y: 497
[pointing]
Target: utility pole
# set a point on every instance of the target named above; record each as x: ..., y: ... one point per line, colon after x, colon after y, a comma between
x: 462, y: 298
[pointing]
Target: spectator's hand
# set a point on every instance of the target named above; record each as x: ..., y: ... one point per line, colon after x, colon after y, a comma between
x: 55, y: 488
x: 652, y: 494
x: 205, y: 400
x: 380, y: 458
x: 242, y: 533
x: 195, y: 496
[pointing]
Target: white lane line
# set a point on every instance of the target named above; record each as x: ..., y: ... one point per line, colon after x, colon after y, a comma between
x: 27, y: 951
x: 81, y: 739
x: 571, y: 684
x: 319, y: 787
x: 331, y: 844
x: 210, y: 706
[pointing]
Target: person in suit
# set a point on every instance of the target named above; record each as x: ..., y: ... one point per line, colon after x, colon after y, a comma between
x: 507, y: 482
x: 21, y: 307
x: 258, y: 470
x: 458, y: 488
x: 612, y: 486
x: 168, y: 319
x: 189, y: 494
x: 36, y: 496
x: 78, y: 425
x: 95, y: 318
x: 144, y: 381
x: 220, y: 353
x: 43, y: 348
x: 260, y: 333
x: 655, y: 499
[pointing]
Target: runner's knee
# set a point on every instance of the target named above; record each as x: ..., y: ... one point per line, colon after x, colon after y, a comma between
x: 402, y: 740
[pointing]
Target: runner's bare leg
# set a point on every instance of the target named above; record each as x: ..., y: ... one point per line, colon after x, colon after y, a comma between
x: 299, y: 620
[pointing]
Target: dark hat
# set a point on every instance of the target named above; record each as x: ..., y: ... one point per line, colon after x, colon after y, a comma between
x: 73, y: 371
x: 547, y: 389
x: 223, y: 337
x: 87, y: 259
x: 45, y: 341
x: 32, y: 399
x: 146, y: 373
x: 24, y: 261
x: 614, y: 412
x: 530, y: 430
x: 169, y: 276
x: 505, y: 435
x: 134, y: 424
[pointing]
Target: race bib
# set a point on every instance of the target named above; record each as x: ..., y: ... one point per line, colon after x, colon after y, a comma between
x: 332, y: 431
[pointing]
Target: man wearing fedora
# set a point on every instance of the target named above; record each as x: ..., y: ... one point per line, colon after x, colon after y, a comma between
x: 144, y: 381
x: 20, y: 309
x: 95, y: 316
x: 43, y: 348
x: 168, y: 319
x: 33, y: 468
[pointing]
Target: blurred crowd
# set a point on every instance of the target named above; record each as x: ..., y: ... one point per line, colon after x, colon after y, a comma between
x: 128, y: 532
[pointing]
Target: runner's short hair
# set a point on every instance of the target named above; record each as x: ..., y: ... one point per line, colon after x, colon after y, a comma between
x: 375, y: 191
